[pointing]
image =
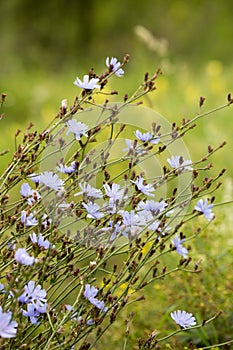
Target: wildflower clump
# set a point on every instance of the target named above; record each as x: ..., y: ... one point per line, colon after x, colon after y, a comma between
x: 86, y: 222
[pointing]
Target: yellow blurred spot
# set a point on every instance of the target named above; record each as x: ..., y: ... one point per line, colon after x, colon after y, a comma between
x: 47, y: 113
x: 146, y: 247
x: 156, y: 286
x: 123, y: 286
x: 163, y: 86
x: 217, y: 86
x: 214, y: 68
x: 192, y: 93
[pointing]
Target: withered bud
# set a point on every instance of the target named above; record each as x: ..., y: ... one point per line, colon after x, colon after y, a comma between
x: 114, y: 92
x: 143, y: 285
x: 64, y: 106
x: 229, y: 98
x: 135, y: 280
x: 222, y: 144
x: 222, y: 172
x: 164, y: 270
x: 30, y: 125
x: 3, y: 97
x: 139, y: 256
x: 201, y: 101
x: 5, y: 151
x: 92, y: 264
x: 212, y: 199
x: 203, y: 322
x: 76, y: 272
x: 208, y: 166
x: 106, y: 175
x: 142, y: 297
x: 188, y: 261
x: 126, y: 58
x: 174, y: 191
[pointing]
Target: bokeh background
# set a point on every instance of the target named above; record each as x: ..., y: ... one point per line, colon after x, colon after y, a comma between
x: 44, y: 45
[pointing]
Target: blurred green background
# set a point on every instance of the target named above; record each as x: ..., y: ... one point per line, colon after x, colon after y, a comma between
x: 44, y: 45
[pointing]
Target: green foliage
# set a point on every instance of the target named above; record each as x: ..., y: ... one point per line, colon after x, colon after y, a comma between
x: 45, y: 45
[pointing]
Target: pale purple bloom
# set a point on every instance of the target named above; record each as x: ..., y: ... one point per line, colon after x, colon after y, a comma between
x: 25, y: 190
x: 89, y: 192
x: 146, y: 137
x: 90, y: 322
x: 35, y: 298
x: 112, y: 206
x: 132, y: 148
x: 115, y: 195
x: 8, y: 328
x: 90, y: 294
x: 130, y: 218
x: 93, y: 210
x: 35, y: 178
x: 154, y: 226
x: 30, y: 194
x: 28, y: 220
x: 2, y: 290
x: 67, y: 169
x: 177, y: 162
x: 114, y: 192
x: 64, y: 205
x: 145, y: 189
x: 44, y: 243
x: 155, y: 208
x: 183, y: 318
x: 70, y: 309
x: 77, y: 128
x: 33, y: 294
x: 22, y: 257
x: 132, y: 222
x: 87, y: 83
x: 145, y: 215
x: 11, y: 245
x: 205, y: 208
x: 113, y: 229
x: 129, y: 145
x: 32, y: 313
x: 178, y: 245
x: 114, y: 66
x: 51, y: 180
x: 164, y: 230
x: 99, y: 304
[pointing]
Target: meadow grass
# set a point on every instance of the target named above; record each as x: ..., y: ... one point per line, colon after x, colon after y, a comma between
x: 37, y: 98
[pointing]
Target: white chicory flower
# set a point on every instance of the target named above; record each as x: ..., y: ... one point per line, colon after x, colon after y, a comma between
x: 77, y: 128
x: 114, y: 66
x: 205, y: 208
x: 87, y: 83
x: 177, y: 162
x: 183, y: 318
